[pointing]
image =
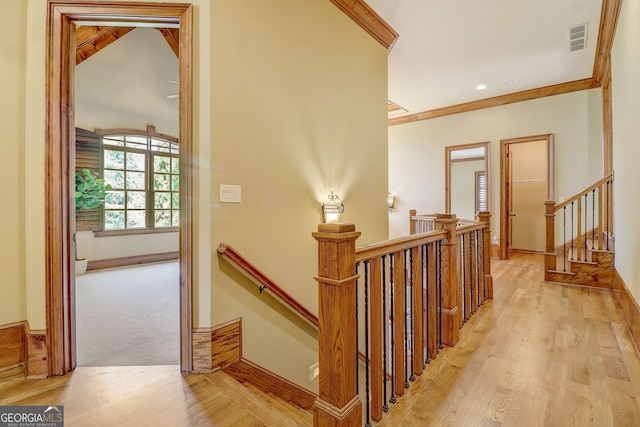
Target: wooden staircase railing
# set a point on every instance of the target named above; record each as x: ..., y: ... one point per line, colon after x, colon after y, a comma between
x: 397, y: 302
x: 266, y: 283
x: 584, y: 230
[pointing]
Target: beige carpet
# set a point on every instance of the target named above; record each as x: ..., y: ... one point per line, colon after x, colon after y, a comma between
x: 129, y: 316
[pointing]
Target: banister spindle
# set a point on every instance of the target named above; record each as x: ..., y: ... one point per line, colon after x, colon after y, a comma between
x: 593, y: 219
x: 385, y: 330
x: 366, y: 346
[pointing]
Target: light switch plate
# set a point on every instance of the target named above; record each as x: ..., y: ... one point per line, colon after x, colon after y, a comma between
x: 230, y: 193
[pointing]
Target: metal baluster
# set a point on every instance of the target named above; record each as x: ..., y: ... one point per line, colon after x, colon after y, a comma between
x: 385, y: 406
x: 607, y: 215
x: 484, y: 284
x: 471, y: 284
x: 464, y: 280
x: 406, y: 326
x: 426, y: 317
x: 586, y: 221
x: 439, y: 311
x: 572, y: 255
x: 564, y: 239
x: 357, y: 335
x: 423, y: 307
x: 593, y: 219
x: 392, y: 344
x: 412, y: 320
x: 366, y: 342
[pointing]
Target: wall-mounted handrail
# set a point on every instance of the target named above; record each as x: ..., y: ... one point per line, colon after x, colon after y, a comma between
x: 266, y: 283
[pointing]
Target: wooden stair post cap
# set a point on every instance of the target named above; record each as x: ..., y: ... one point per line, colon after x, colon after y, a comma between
x: 336, y: 228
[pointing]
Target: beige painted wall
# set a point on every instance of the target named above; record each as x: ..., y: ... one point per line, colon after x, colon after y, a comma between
x: 416, y: 165
x: 626, y: 151
x: 289, y: 103
x: 298, y: 109
x: 12, y: 118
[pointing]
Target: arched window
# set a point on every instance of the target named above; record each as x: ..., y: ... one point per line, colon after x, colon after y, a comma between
x: 143, y: 171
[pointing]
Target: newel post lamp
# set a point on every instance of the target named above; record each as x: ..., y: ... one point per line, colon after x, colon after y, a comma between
x: 332, y: 209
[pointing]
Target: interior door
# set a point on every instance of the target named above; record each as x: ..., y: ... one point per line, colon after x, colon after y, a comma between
x: 528, y: 184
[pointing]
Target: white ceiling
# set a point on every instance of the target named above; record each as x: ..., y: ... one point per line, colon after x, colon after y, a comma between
x: 447, y: 48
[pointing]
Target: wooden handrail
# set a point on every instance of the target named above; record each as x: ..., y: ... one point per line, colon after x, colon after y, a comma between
x: 389, y: 246
x: 583, y: 192
x: 470, y: 226
x: 266, y: 283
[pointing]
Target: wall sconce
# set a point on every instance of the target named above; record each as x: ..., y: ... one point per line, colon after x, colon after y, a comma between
x: 391, y: 201
x: 332, y: 209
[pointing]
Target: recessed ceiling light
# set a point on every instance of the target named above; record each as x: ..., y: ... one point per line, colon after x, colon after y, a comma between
x: 511, y: 82
x: 481, y: 87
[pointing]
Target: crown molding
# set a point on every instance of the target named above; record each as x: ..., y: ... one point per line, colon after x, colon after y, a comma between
x: 526, y: 95
x: 369, y: 20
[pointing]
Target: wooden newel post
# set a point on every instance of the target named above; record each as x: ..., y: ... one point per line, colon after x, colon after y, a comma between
x: 412, y: 227
x: 485, y: 217
x: 550, y: 248
x: 451, y: 319
x: 338, y: 403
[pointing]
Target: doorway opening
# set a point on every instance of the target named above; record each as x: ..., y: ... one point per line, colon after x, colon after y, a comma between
x: 63, y: 18
x: 526, y: 182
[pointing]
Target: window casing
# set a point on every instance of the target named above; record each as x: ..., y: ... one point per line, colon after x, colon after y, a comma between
x: 144, y: 175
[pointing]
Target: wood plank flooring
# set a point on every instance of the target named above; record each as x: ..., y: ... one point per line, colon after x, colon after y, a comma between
x: 539, y: 354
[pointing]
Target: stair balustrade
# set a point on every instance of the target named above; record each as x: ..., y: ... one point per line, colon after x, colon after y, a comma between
x: 386, y: 309
x: 579, y: 231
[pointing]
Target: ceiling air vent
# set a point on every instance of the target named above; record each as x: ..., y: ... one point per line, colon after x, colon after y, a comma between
x: 578, y: 37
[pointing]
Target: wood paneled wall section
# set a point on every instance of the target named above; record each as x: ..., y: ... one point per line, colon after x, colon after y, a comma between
x: 217, y: 347
x: 628, y: 306
x: 88, y: 155
x: 20, y: 346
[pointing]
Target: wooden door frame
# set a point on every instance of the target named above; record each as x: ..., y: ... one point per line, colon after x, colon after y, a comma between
x: 447, y: 170
x: 60, y: 152
x: 504, y: 220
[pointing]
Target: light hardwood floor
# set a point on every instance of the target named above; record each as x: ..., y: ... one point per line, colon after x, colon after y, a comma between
x: 539, y: 354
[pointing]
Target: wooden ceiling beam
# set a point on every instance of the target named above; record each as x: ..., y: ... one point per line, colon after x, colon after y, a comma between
x: 90, y: 40
x: 172, y: 36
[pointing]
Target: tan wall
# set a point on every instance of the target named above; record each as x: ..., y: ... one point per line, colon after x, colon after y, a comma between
x: 416, y: 150
x: 298, y: 109
x: 12, y: 114
x: 626, y: 151
x: 289, y: 103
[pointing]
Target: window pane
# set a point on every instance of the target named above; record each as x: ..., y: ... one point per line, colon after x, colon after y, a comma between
x: 113, y: 220
x: 175, y: 183
x: 114, y: 140
x: 114, y: 200
x: 175, y: 221
x: 175, y: 166
x: 114, y: 178
x: 135, y: 219
x: 135, y: 162
x: 137, y: 139
x: 136, y: 200
x: 135, y: 180
x: 163, y: 201
x: 175, y: 200
x: 161, y: 164
x: 161, y: 181
x: 113, y: 159
x: 163, y: 218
